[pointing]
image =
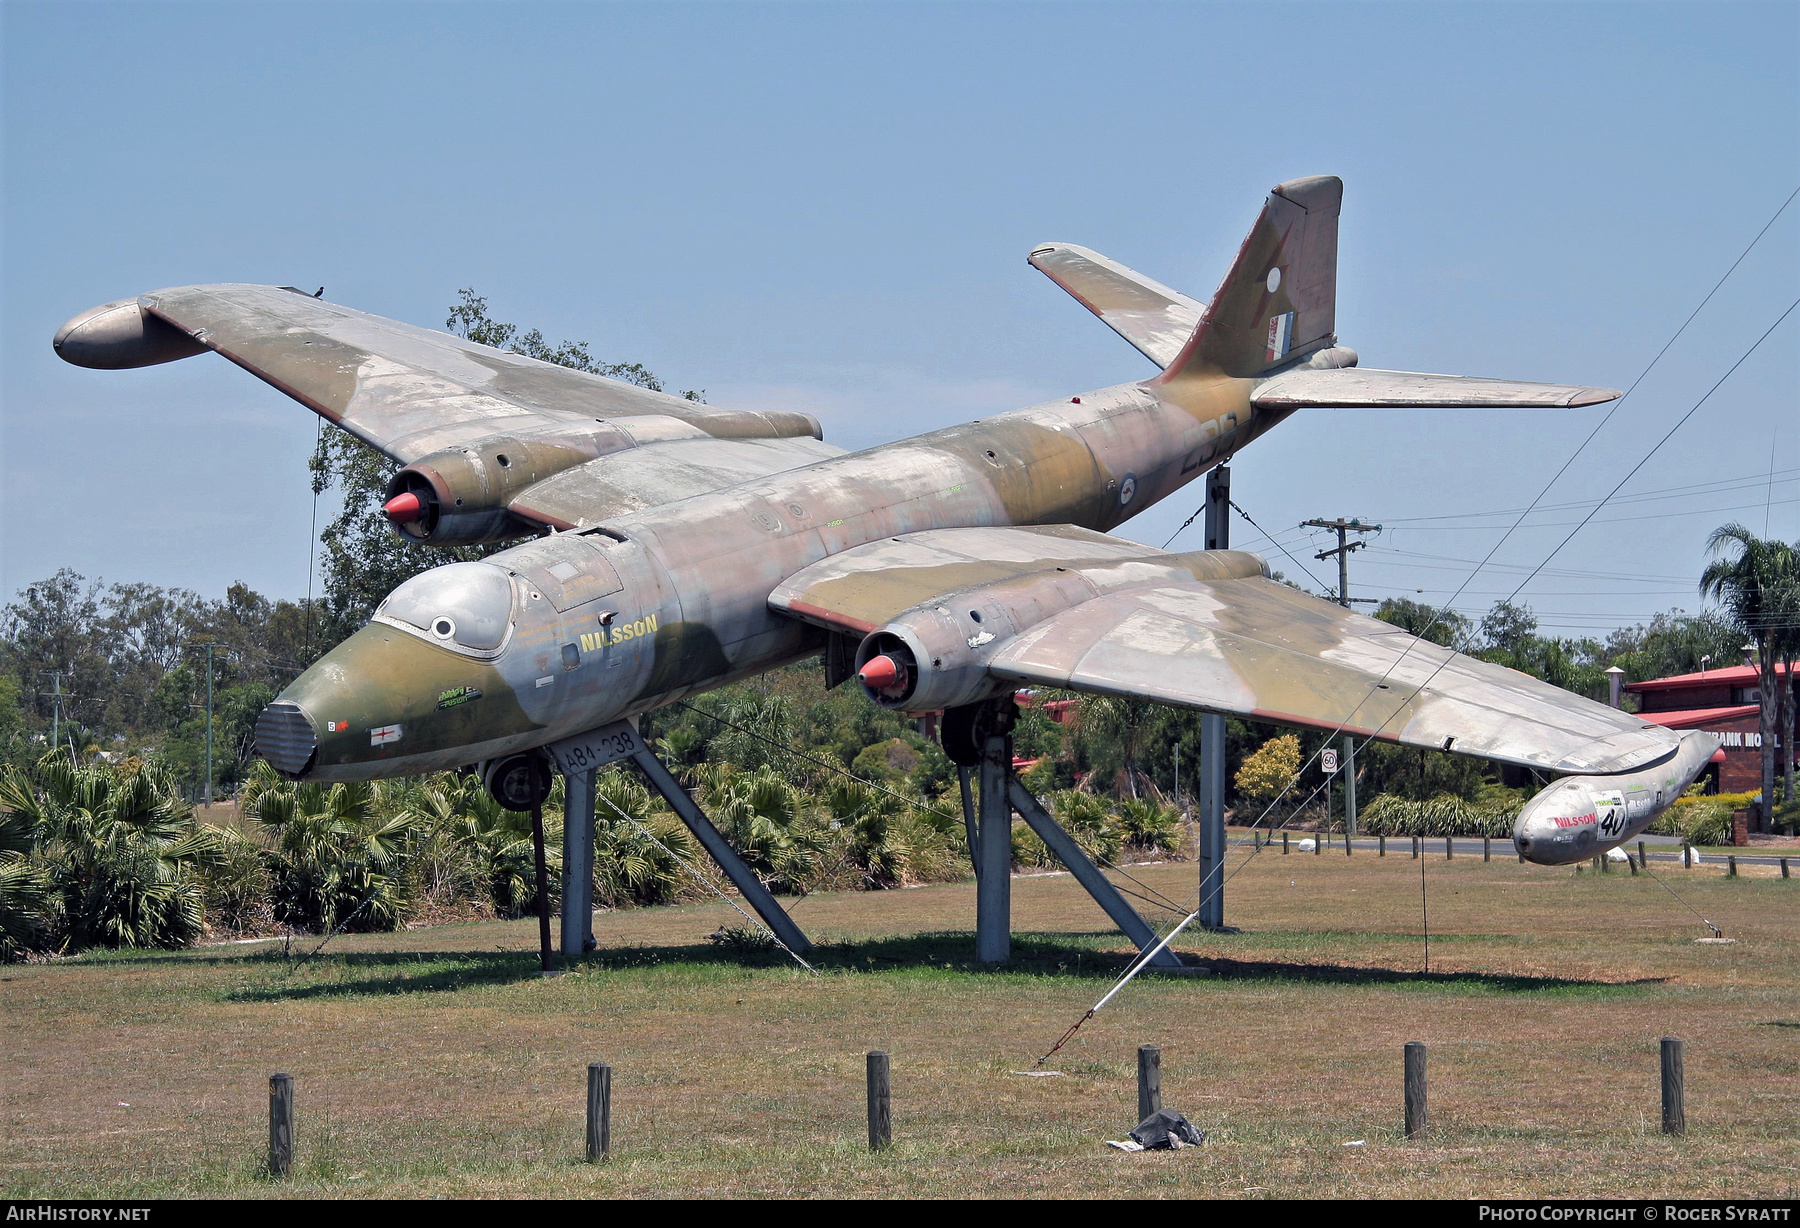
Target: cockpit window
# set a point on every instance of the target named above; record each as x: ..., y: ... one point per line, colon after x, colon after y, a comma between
x: 465, y: 604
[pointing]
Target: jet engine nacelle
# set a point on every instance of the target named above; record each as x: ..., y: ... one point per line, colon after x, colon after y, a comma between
x: 939, y: 653
x: 460, y: 496
x: 921, y: 662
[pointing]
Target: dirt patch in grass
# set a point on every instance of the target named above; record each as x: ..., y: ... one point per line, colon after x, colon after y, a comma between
x: 437, y: 1061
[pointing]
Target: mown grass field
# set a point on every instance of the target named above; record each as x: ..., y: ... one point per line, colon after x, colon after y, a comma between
x: 438, y: 1062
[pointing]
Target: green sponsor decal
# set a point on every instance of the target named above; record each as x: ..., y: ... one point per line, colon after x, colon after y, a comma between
x: 458, y: 695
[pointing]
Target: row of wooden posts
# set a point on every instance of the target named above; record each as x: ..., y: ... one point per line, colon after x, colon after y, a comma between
x: 1487, y: 851
x: 880, y: 1101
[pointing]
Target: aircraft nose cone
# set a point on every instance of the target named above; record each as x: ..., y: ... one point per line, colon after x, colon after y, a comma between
x: 286, y: 738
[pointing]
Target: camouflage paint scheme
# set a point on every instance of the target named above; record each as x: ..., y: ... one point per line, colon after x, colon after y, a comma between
x: 686, y: 547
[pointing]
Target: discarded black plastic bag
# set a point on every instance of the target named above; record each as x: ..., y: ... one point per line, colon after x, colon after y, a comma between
x: 1163, y: 1130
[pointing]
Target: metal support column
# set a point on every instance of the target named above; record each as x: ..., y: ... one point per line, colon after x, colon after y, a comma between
x: 1212, y: 735
x: 1349, y: 785
x: 721, y: 851
x: 578, y: 863
x: 969, y: 825
x: 993, y: 883
x: 1087, y: 873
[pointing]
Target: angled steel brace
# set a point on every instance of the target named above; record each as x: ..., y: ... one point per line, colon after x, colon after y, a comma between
x: 721, y: 851
x: 1087, y: 873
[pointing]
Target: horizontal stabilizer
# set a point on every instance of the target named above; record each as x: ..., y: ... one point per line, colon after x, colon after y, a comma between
x: 1363, y: 388
x: 1154, y: 318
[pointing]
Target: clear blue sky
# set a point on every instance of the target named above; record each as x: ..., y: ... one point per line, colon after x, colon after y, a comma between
x: 828, y: 207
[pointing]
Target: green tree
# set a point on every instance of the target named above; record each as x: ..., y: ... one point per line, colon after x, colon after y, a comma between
x: 1267, y: 773
x: 362, y: 559
x: 338, y: 854
x: 1439, y: 625
x: 1755, y: 580
x: 121, y: 850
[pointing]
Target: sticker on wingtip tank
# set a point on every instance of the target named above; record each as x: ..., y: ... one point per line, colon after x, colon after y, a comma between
x: 384, y: 734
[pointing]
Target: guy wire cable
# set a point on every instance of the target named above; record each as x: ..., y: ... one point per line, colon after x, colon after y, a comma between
x: 1130, y: 974
x: 1657, y: 879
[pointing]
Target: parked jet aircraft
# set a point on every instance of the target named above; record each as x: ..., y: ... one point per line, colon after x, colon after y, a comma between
x: 679, y: 547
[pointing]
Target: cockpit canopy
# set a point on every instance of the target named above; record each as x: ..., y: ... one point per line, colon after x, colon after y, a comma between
x: 468, y: 606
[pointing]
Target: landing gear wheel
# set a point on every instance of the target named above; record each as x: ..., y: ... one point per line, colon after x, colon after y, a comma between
x: 518, y: 782
x: 966, y: 729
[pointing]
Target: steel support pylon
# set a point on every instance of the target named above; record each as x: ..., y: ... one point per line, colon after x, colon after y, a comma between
x: 713, y: 840
x: 1212, y: 735
x: 578, y: 863
x: 993, y: 875
x: 1087, y: 873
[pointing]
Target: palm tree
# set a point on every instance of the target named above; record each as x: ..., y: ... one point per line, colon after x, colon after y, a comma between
x: 120, y: 849
x: 340, y: 851
x: 1756, y: 588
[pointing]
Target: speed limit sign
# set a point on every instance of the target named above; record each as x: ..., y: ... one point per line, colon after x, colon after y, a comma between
x: 1328, y: 761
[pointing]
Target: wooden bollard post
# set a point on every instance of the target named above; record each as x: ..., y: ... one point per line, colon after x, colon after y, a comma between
x: 281, y: 1124
x: 1149, y: 1080
x: 1415, y: 1089
x: 881, y: 1110
x: 1784, y: 867
x: 1687, y: 855
x: 1449, y: 848
x: 1731, y: 867
x: 1487, y: 848
x: 1632, y: 862
x: 1319, y: 843
x: 1284, y: 844
x: 1643, y: 857
x: 1604, y: 864
x: 1415, y: 848
x: 599, y: 1112
x: 1674, y: 1088
x: 1381, y: 845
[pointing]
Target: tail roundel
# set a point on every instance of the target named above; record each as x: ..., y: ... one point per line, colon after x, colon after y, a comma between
x: 1279, y: 301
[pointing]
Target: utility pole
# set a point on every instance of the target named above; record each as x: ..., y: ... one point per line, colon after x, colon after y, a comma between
x: 56, y: 698
x: 207, y: 786
x: 209, y: 652
x: 1212, y: 735
x: 1343, y: 528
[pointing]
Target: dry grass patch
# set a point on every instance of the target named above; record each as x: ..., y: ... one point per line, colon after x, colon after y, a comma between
x: 437, y: 1061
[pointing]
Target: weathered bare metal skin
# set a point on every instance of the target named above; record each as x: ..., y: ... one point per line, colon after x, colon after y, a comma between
x: 700, y: 546
x: 115, y: 336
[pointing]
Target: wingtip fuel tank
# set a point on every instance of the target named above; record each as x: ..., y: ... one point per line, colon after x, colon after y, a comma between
x: 1579, y: 817
x: 119, y: 335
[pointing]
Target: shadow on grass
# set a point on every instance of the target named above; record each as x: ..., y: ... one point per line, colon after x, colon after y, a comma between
x: 1096, y: 957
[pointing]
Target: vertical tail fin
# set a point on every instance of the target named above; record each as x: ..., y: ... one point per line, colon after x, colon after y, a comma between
x: 1279, y: 300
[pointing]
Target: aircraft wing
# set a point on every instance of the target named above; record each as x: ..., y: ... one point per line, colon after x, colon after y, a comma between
x: 1365, y: 388
x: 1154, y: 318
x: 408, y: 391
x: 1063, y: 607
